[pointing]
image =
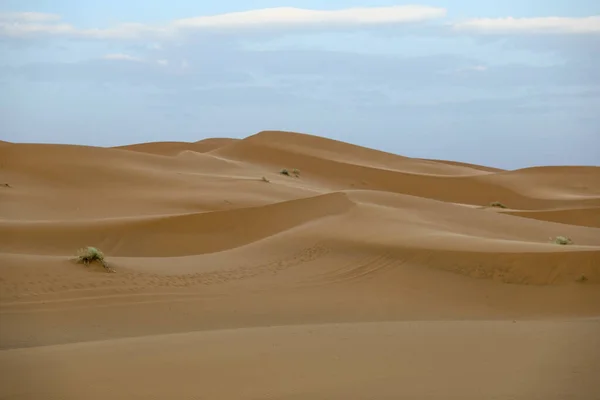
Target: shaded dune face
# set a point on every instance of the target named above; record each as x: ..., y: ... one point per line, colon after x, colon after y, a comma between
x: 213, y: 248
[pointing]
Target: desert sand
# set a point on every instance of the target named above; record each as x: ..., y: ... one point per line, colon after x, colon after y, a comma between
x: 368, y: 276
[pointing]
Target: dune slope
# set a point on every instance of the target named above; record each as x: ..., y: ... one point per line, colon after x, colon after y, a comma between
x: 174, y: 148
x: 365, y: 275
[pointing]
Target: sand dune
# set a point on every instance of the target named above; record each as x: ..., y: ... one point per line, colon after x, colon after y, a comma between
x: 464, y: 164
x: 341, y: 361
x: 305, y: 148
x: 589, y: 216
x: 437, y: 180
x: 369, y: 275
x: 174, y: 148
x: 196, y: 233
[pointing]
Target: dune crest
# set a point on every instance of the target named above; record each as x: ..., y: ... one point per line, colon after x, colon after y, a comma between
x: 173, y: 148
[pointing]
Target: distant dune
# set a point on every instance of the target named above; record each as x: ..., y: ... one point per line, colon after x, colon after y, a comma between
x: 174, y: 148
x: 363, y: 274
x: 463, y: 164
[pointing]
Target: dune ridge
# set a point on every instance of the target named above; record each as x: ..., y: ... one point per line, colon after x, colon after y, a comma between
x: 402, y: 175
x: 197, y: 233
x: 361, y: 270
x: 174, y: 148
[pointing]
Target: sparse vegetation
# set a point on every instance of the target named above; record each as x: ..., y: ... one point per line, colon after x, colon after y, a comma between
x: 89, y: 255
x: 497, y: 204
x: 562, y: 240
x: 295, y: 172
x: 264, y: 179
x: 582, y: 278
x: 5, y: 185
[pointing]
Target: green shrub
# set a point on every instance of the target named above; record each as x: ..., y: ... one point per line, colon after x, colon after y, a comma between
x: 89, y: 255
x: 562, y: 240
x: 497, y: 204
x: 295, y: 172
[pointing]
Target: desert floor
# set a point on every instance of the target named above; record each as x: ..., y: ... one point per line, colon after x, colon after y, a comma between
x: 366, y: 276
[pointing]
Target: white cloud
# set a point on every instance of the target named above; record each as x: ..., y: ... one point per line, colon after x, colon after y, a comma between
x: 33, y: 24
x: 32, y: 29
x: 124, y: 31
x: 28, y: 17
x: 557, y: 25
x: 119, y: 56
x: 297, y: 17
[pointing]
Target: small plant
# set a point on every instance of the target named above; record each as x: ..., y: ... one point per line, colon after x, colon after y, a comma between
x: 5, y: 185
x: 295, y: 172
x: 562, y: 240
x: 582, y: 278
x: 89, y: 254
x: 264, y: 179
x: 497, y: 204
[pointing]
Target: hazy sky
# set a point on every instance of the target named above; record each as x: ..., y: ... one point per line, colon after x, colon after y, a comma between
x: 509, y: 83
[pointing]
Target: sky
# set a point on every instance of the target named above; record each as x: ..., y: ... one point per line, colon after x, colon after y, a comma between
x: 509, y: 84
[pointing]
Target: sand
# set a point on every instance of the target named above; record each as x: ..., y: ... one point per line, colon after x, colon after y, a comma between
x: 367, y: 276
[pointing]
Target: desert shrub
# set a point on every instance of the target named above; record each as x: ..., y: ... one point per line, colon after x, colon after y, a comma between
x: 562, y: 240
x: 497, y: 204
x: 264, y: 179
x: 295, y: 172
x: 89, y: 255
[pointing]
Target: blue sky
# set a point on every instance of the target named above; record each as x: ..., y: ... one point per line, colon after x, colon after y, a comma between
x: 509, y: 84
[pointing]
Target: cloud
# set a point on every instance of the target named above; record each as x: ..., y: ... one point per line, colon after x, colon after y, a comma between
x: 128, y: 71
x: 20, y: 25
x: 542, y: 25
x: 16, y: 17
x: 296, y: 17
x: 316, y: 74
